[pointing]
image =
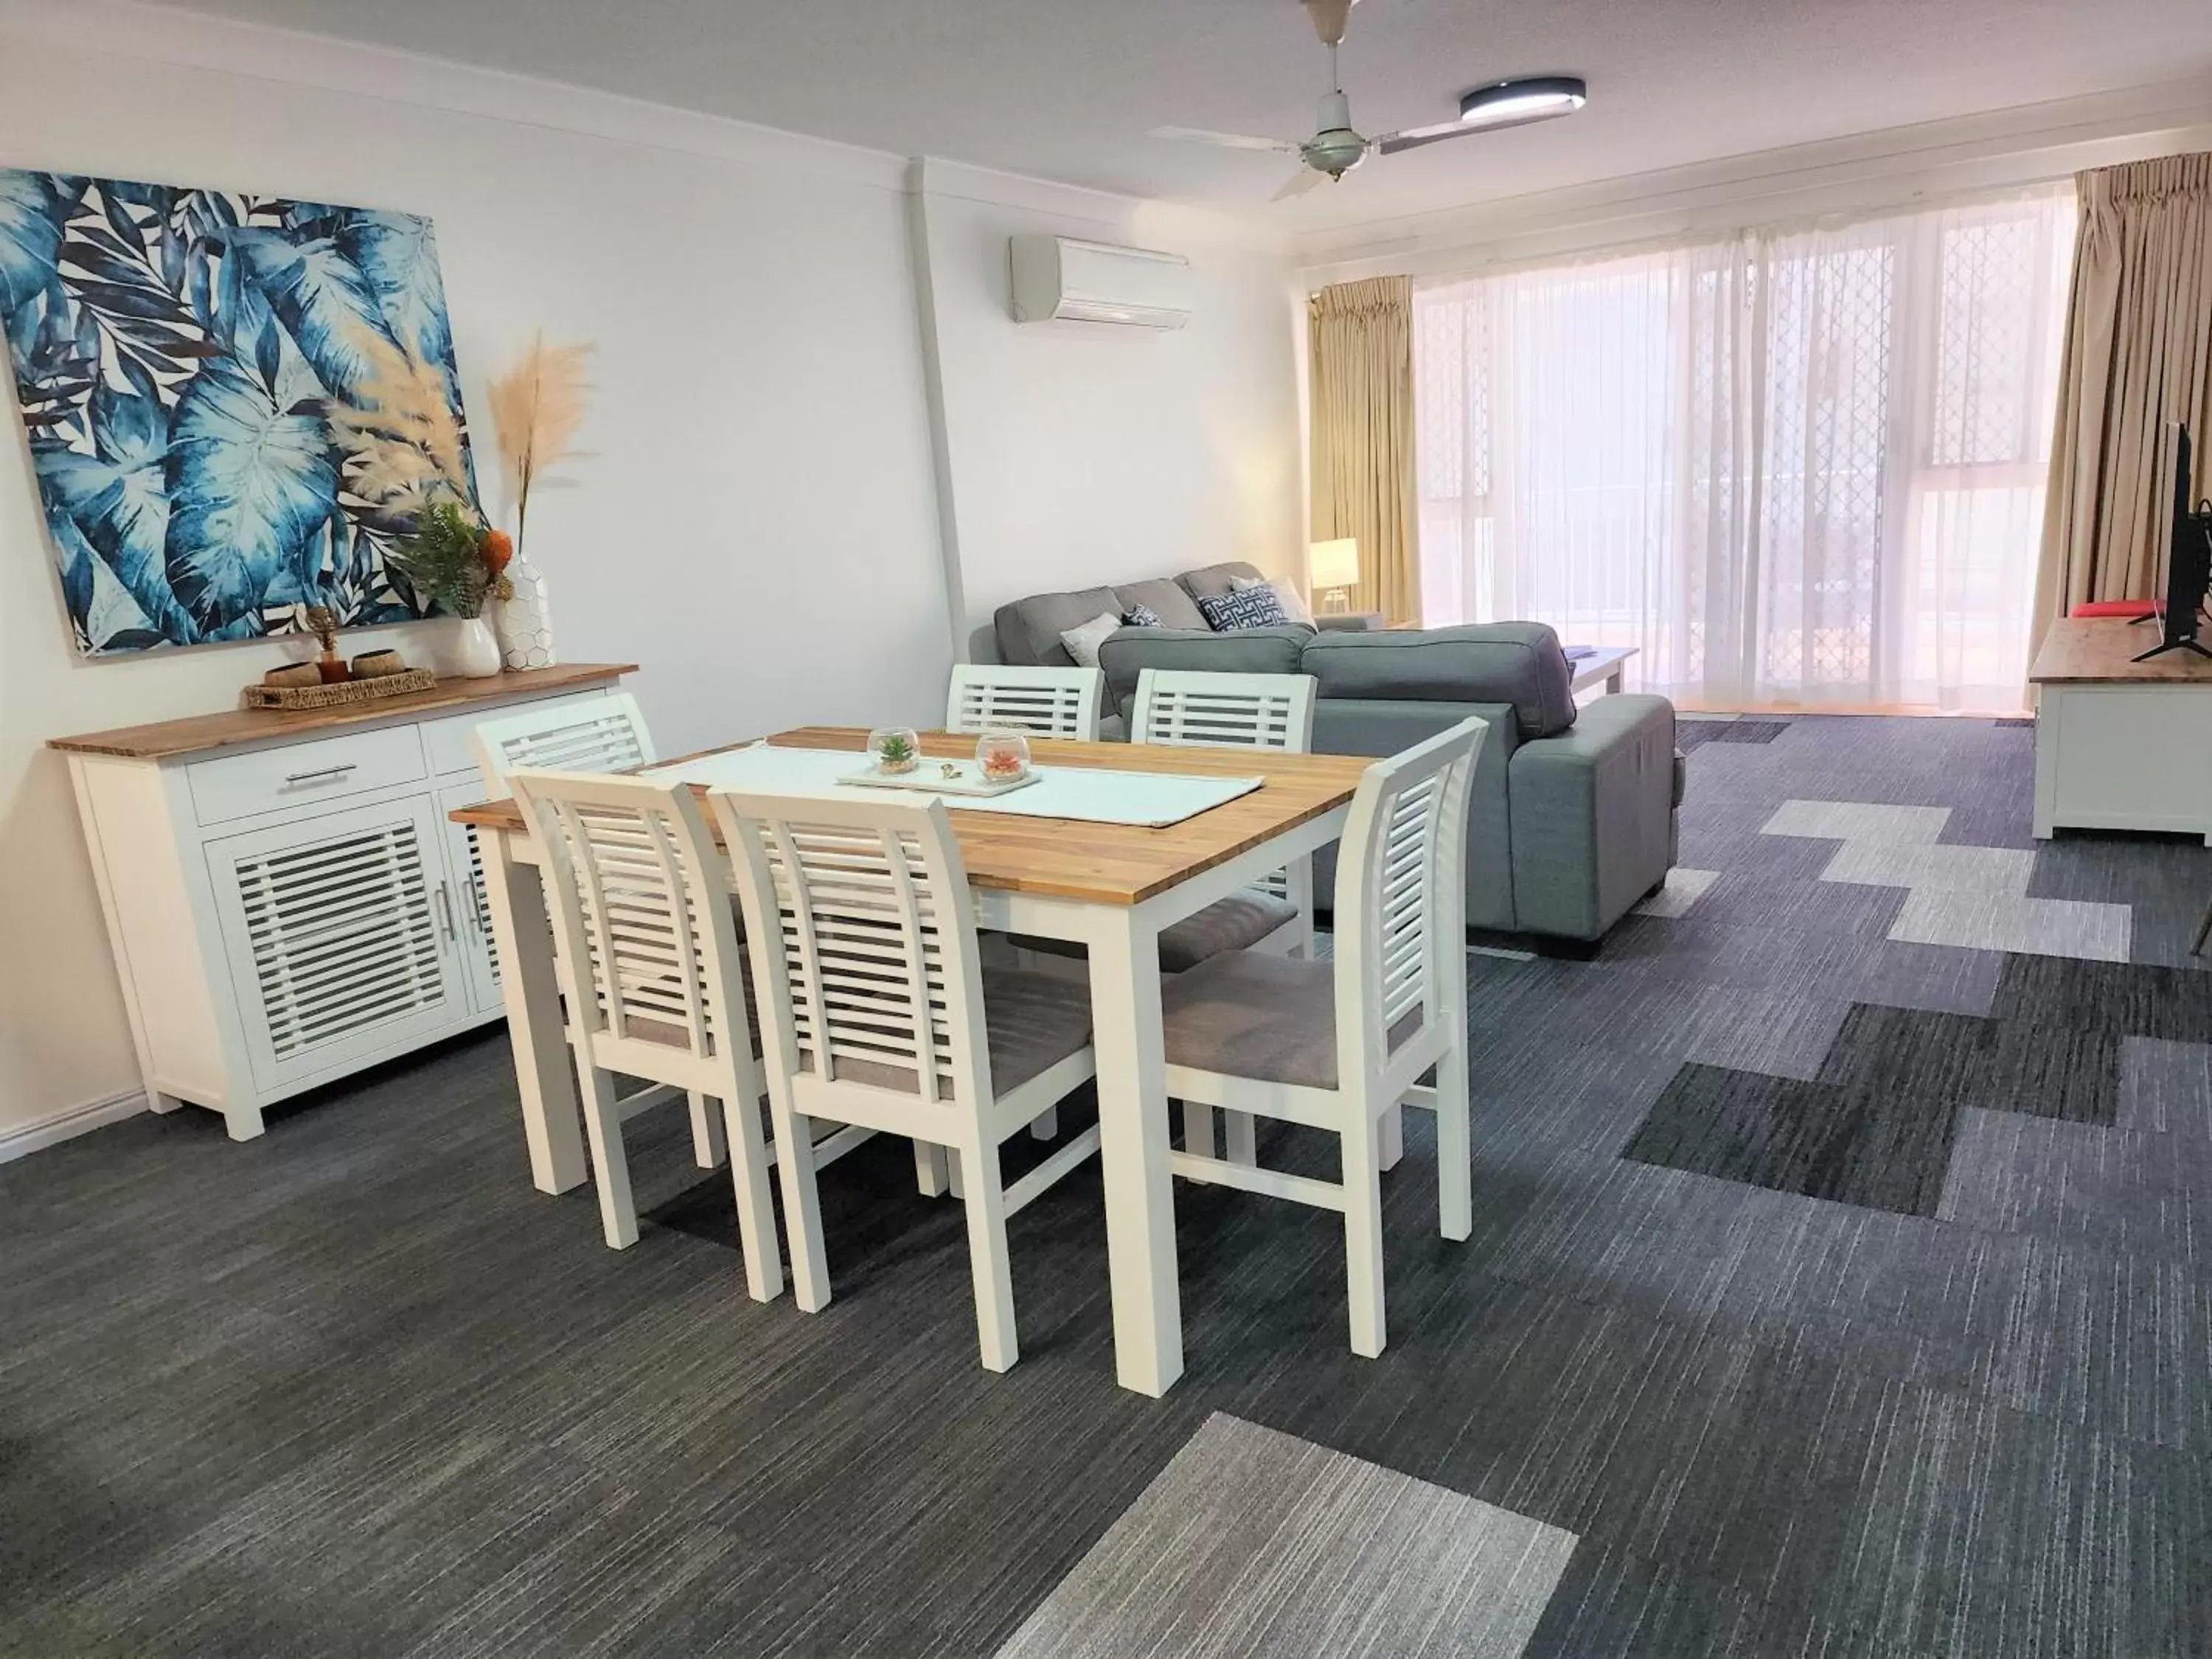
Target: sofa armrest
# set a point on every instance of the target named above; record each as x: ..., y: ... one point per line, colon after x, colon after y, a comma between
x: 1347, y: 621
x: 1593, y: 817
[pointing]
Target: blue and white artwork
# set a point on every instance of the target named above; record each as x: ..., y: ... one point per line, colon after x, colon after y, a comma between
x: 175, y: 351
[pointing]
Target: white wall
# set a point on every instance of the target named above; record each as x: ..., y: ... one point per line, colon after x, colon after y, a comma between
x: 759, y: 523
x: 755, y: 526
x: 1082, y: 454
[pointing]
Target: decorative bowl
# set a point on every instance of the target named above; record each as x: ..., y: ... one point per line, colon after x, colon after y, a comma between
x: 895, y: 750
x: 1003, y: 756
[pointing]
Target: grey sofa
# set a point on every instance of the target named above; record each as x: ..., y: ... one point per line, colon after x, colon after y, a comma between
x: 1572, y: 816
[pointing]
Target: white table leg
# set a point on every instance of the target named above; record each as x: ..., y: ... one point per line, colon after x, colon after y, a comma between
x: 1133, y: 1154
x: 1613, y: 682
x: 552, y: 1122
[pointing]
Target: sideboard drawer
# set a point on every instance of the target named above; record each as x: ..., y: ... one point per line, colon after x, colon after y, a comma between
x: 302, y: 774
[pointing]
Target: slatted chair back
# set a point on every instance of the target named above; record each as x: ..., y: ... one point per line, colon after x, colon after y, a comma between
x: 645, y: 939
x: 1241, y: 711
x: 1052, y: 703
x: 607, y: 734
x: 1230, y: 711
x: 1401, y: 945
x: 864, y: 948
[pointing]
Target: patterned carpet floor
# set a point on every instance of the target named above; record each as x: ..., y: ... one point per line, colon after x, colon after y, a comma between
x: 1841, y: 1285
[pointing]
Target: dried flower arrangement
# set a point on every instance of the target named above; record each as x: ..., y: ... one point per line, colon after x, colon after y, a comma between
x: 536, y: 408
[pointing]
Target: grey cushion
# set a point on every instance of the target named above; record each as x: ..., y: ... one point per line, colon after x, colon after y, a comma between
x: 1209, y: 580
x: 1028, y: 629
x: 1252, y: 1015
x: 1166, y: 599
x: 1033, y: 1022
x: 1516, y: 663
x: 1250, y: 651
x: 1236, y: 923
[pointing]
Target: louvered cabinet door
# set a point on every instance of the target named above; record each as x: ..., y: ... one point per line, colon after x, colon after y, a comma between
x: 465, y: 863
x: 344, y: 936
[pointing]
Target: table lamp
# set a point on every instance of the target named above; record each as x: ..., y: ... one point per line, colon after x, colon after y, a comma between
x: 1332, y: 566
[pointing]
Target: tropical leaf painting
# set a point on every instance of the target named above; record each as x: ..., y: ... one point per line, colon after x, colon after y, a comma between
x: 177, y: 355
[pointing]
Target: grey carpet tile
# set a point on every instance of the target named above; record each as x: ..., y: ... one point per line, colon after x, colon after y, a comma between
x: 2165, y: 1088
x: 2133, y: 1192
x: 1882, y: 1147
x: 356, y: 1389
x: 1253, y: 1542
x: 1933, y: 977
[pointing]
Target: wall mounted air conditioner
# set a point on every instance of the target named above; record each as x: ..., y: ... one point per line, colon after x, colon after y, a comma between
x: 1058, y: 279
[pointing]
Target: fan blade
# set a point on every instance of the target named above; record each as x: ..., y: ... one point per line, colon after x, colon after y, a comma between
x: 1303, y: 179
x: 1233, y: 139
x: 1414, y: 137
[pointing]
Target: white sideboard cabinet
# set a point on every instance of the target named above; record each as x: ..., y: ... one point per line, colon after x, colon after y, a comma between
x: 286, y: 899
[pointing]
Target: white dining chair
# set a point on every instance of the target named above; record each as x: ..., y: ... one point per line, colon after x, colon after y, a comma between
x: 876, y: 1010
x: 1234, y: 711
x: 1339, y: 1045
x: 607, y: 734
x: 1052, y: 703
x: 654, y: 976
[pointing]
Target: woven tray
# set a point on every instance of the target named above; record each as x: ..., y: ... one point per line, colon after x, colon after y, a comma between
x: 330, y: 697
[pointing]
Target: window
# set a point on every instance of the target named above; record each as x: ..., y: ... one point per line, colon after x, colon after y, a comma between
x: 1796, y: 469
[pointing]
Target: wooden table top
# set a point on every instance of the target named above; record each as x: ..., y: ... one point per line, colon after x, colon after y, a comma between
x: 1098, y: 863
x: 197, y: 733
x: 2096, y: 650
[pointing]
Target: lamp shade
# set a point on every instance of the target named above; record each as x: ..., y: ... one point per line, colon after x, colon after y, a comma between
x: 1335, y: 564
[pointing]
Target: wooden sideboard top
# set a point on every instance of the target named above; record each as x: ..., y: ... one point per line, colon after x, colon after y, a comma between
x: 2081, y: 650
x: 198, y: 733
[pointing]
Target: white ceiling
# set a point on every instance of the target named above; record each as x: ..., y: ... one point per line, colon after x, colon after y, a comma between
x: 1067, y: 89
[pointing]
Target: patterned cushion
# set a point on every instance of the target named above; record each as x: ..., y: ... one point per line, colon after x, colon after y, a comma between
x: 1241, y: 608
x: 1293, y: 602
x: 1140, y: 616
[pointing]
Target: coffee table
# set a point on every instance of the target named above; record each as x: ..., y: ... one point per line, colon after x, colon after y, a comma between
x: 1603, y: 664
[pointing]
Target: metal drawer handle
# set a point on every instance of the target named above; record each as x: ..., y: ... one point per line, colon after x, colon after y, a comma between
x: 337, y: 771
x: 446, y: 910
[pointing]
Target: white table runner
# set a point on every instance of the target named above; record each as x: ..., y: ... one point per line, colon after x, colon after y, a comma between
x: 1146, y: 799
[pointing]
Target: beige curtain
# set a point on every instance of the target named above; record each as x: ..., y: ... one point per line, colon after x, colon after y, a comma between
x: 2138, y: 355
x: 1361, y: 336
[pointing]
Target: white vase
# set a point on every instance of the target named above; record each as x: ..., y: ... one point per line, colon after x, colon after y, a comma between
x: 524, y: 620
x: 471, y: 652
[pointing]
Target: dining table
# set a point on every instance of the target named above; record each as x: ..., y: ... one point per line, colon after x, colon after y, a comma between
x: 1111, y: 888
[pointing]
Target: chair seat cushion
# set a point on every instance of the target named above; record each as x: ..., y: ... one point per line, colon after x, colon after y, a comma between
x: 1247, y: 1014
x: 1252, y: 1015
x: 1032, y: 1022
x: 1236, y: 923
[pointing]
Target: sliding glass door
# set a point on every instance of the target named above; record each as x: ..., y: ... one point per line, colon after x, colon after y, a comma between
x: 1799, y: 469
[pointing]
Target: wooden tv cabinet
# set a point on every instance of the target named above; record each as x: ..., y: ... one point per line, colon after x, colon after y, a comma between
x: 2120, y: 744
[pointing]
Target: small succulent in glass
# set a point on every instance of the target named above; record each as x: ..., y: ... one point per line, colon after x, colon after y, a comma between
x: 1003, y: 756
x: 895, y: 749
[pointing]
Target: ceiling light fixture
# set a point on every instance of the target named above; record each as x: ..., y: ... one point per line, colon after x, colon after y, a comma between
x: 1531, y: 98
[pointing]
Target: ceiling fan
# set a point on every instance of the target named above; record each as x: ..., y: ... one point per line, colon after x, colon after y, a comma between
x: 1336, y: 148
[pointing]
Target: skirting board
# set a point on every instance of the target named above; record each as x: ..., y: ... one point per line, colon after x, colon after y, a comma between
x: 27, y: 1138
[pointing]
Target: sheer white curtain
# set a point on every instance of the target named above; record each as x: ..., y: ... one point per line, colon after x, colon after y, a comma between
x: 1800, y: 468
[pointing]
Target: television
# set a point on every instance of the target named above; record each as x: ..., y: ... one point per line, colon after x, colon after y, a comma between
x: 2188, y: 558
